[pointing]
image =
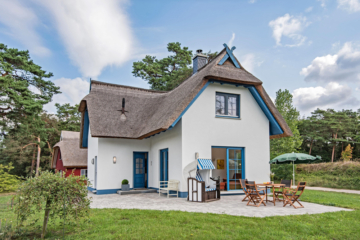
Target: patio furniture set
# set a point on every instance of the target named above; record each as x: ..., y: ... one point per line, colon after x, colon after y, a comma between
x: 257, y: 194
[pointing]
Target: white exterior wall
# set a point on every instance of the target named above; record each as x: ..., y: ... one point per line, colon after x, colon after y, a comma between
x: 110, y: 175
x: 93, y: 146
x: 201, y: 130
x: 171, y: 140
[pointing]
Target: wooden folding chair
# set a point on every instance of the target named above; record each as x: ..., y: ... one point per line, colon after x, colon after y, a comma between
x: 243, y: 186
x: 256, y: 196
x: 291, y: 198
x: 288, y: 184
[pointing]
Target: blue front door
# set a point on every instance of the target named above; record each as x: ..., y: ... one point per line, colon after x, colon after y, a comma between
x: 164, y: 165
x: 139, y: 170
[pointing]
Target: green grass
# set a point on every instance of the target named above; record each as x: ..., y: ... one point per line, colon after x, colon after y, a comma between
x: 345, y: 200
x: 148, y: 224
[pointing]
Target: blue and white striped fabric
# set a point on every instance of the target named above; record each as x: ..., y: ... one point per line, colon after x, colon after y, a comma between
x: 198, y: 176
x: 209, y: 189
x: 205, y: 164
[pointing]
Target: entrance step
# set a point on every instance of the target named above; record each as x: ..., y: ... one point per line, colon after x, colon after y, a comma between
x: 94, y: 191
x: 136, y: 191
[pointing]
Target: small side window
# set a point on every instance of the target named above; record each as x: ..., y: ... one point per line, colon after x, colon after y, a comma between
x: 227, y: 105
x: 83, y: 172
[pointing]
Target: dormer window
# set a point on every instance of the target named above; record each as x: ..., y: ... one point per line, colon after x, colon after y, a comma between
x: 227, y: 105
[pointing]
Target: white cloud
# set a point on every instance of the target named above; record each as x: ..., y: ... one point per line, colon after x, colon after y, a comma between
x: 309, y: 9
x: 349, y: 5
x: 250, y: 62
x: 230, y: 44
x: 323, y: 3
x: 290, y: 27
x: 20, y: 23
x: 252, y: 1
x: 333, y: 95
x: 342, y: 66
x: 73, y: 90
x: 95, y: 33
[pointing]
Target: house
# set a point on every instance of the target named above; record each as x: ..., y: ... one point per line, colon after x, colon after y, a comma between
x: 68, y: 157
x: 221, y: 112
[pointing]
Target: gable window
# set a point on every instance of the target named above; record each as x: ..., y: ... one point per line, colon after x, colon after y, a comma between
x: 227, y: 105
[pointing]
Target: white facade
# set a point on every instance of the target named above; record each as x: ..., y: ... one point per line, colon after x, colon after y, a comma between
x: 198, y: 131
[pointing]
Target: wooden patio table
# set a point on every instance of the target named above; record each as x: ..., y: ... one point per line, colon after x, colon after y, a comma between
x: 270, y: 185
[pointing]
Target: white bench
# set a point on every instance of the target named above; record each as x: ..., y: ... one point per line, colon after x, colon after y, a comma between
x: 167, y: 186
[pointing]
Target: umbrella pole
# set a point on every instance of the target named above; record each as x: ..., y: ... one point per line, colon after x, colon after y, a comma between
x: 294, y: 174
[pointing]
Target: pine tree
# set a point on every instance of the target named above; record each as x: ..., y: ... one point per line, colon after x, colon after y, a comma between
x: 24, y: 89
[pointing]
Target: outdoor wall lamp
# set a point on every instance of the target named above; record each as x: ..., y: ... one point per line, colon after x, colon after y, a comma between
x: 114, y: 159
x: 92, y: 161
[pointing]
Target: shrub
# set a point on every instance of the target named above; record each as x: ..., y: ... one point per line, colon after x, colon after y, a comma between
x: 336, y: 175
x: 282, y: 171
x: 8, y: 182
x: 54, y: 194
x: 125, y: 181
x: 346, y: 155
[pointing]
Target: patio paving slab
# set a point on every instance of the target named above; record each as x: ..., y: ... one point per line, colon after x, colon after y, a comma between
x: 231, y: 205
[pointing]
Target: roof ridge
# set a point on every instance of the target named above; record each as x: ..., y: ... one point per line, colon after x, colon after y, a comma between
x: 126, y: 86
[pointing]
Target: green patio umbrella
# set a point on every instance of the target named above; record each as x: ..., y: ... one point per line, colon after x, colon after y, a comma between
x: 294, y: 158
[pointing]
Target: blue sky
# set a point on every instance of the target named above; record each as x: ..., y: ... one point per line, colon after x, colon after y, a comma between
x: 310, y: 47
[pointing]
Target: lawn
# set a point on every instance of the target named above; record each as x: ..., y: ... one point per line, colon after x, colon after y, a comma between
x: 148, y: 224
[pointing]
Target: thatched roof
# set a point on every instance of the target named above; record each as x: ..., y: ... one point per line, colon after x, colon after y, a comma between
x: 150, y: 112
x: 71, y: 154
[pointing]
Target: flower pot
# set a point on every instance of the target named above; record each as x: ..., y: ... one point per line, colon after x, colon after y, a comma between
x: 125, y: 187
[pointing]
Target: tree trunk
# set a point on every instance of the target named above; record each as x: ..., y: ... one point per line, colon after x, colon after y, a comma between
x: 38, y: 158
x: 46, y: 219
x: 311, y: 143
x: 33, y: 163
x: 333, y: 150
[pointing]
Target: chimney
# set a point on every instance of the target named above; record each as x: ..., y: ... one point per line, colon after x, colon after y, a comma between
x: 199, y: 61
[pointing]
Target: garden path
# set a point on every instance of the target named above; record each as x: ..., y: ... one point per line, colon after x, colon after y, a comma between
x: 333, y: 190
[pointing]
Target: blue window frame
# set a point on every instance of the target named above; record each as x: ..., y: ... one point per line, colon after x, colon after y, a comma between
x: 235, y: 170
x: 227, y: 105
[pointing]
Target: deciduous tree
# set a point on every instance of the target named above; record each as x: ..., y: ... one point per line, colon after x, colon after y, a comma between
x: 283, y: 103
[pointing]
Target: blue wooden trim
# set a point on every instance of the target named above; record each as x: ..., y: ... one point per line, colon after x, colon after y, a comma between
x: 91, y: 189
x: 230, y: 194
x: 181, y: 194
x: 189, y: 105
x: 275, y: 128
x: 224, y: 147
x: 85, y: 129
x: 229, y: 54
x: 221, y: 116
x: 107, y: 191
x: 227, y: 169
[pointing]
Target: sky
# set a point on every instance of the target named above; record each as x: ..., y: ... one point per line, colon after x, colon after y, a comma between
x: 310, y: 47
